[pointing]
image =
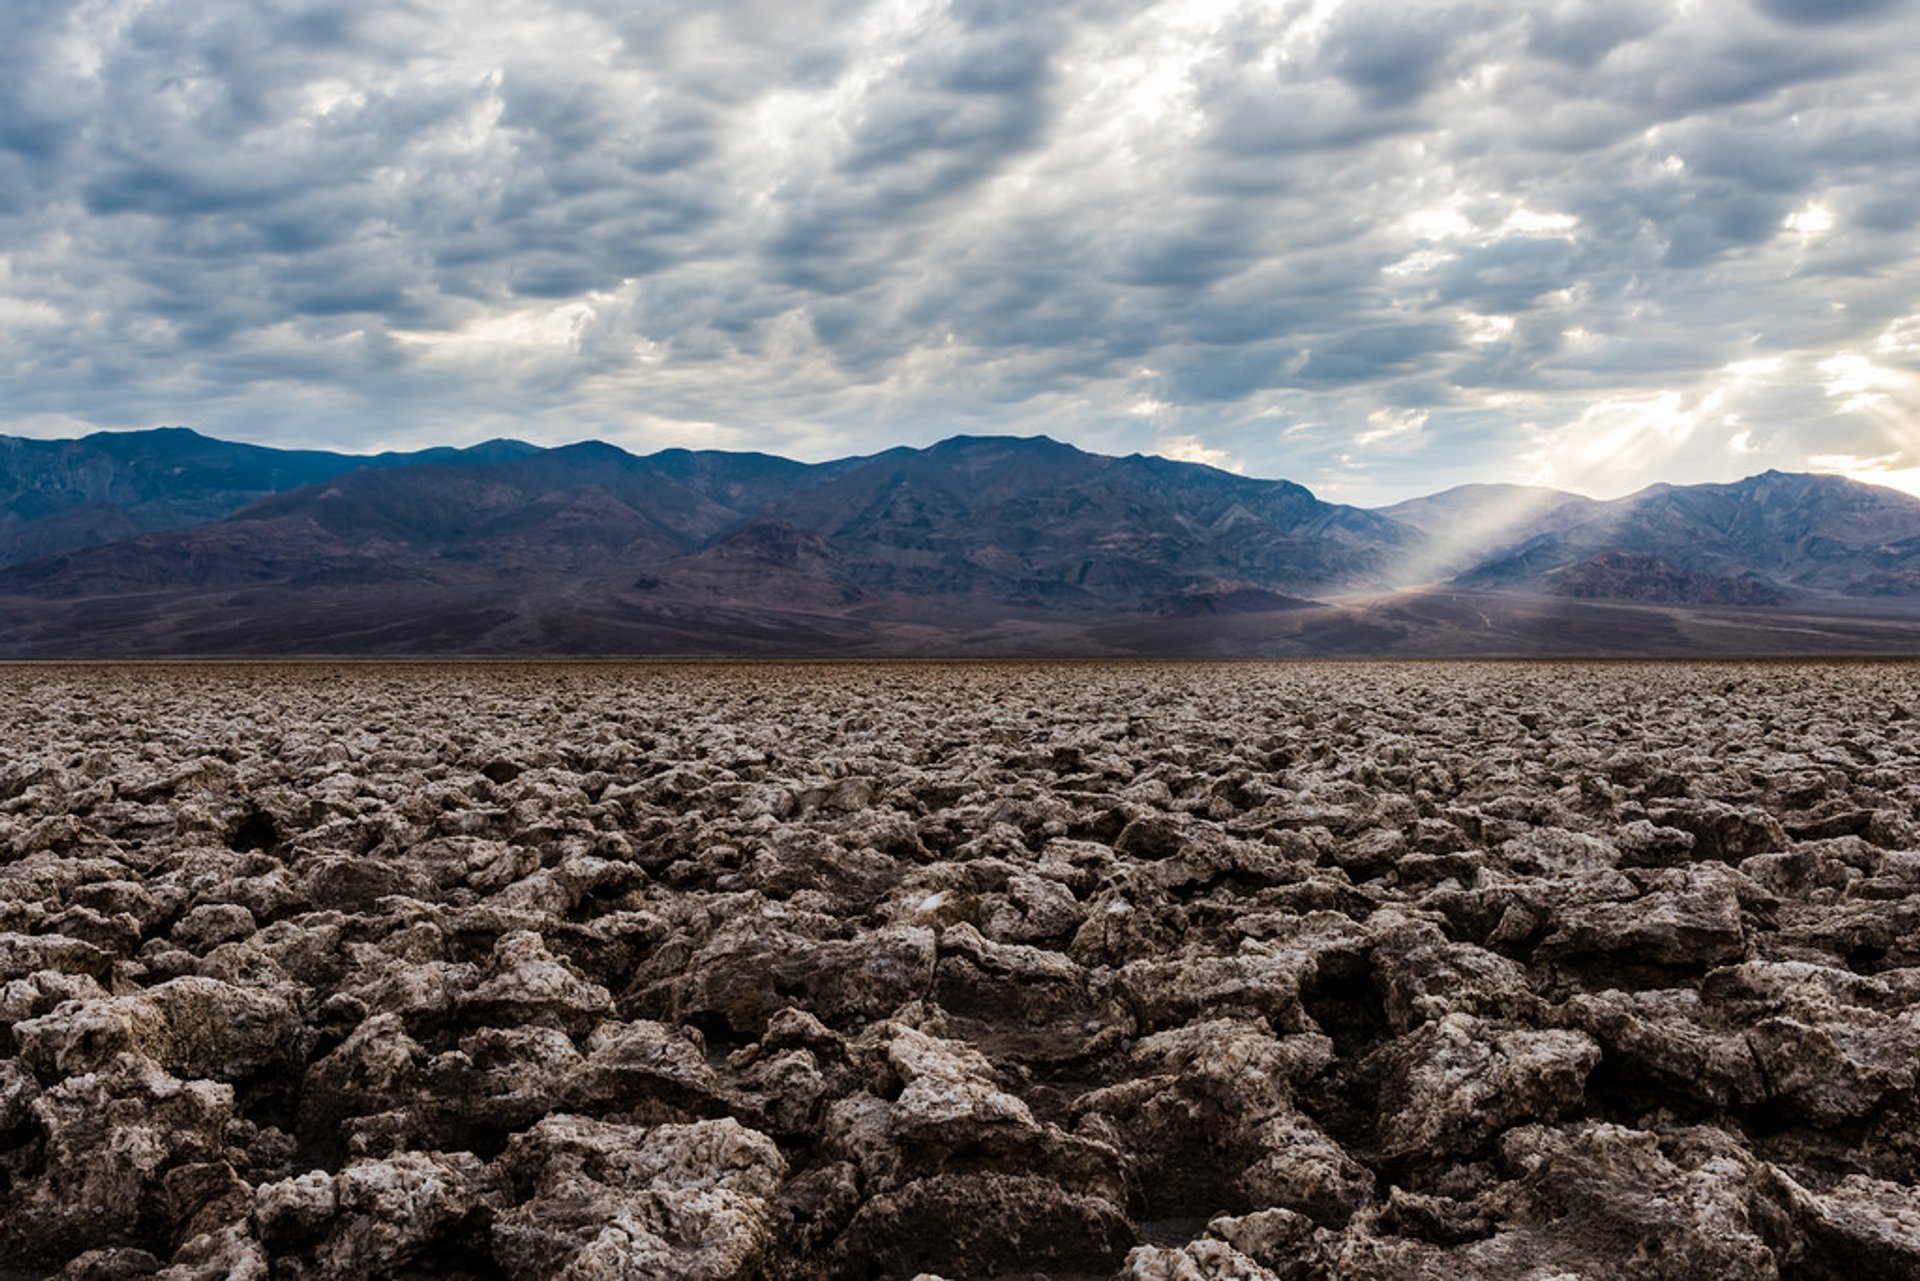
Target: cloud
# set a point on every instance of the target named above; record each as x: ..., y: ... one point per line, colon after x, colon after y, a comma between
x: 1823, y: 12
x: 1581, y: 33
x: 1191, y: 449
x: 828, y: 226
x: 1392, y: 55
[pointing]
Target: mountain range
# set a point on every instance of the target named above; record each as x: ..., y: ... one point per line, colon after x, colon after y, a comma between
x: 170, y: 543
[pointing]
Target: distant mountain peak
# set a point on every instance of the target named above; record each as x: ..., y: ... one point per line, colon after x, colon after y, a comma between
x: 970, y: 440
x: 166, y: 535
x: 500, y: 447
x: 591, y: 449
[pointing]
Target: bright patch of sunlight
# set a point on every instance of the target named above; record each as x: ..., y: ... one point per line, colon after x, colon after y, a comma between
x: 1487, y: 329
x: 1883, y: 470
x: 536, y: 332
x: 1531, y: 222
x: 1810, y: 220
x: 1442, y: 222
x: 1391, y: 424
x: 1191, y: 449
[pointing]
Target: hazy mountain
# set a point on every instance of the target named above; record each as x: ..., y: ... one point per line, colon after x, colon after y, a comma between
x: 1038, y: 522
x: 1469, y: 524
x: 1638, y: 576
x: 580, y: 546
x: 59, y: 495
x: 1006, y: 519
x: 974, y: 545
x: 1770, y: 537
x: 572, y: 510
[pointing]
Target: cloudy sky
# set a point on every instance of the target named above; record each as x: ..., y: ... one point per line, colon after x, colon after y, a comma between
x: 1378, y: 248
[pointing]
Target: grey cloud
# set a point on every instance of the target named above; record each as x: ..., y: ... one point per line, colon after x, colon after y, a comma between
x: 1752, y: 158
x: 1747, y: 70
x: 1233, y: 326
x: 42, y: 105
x: 1187, y: 258
x: 1424, y: 394
x: 1368, y: 353
x: 1717, y: 220
x: 1583, y: 32
x: 1644, y: 360
x: 174, y: 191
x: 831, y: 224
x: 1017, y: 63
x: 731, y: 53
x: 965, y: 104
x: 925, y: 149
x: 1393, y: 54
x: 1827, y: 12
x: 1894, y: 211
x: 340, y: 284
x: 1265, y: 121
x: 1510, y: 275
x: 1235, y: 373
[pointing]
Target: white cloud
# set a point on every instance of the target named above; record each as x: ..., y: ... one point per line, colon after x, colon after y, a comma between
x: 1191, y: 449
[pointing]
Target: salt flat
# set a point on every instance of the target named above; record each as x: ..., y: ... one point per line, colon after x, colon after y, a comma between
x: 1358, y: 970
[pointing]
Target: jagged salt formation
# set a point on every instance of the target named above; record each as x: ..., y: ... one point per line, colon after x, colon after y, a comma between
x: 1236, y: 971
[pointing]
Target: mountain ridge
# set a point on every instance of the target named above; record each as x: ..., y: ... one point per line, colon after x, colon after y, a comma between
x: 975, y: 544
x: 61, y: 495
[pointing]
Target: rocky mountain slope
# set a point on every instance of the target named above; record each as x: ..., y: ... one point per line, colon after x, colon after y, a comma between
x: 1783, y: 533
x: 1042, y: 521
x: 61, y: 495
x: 574, y: 548
x: 1469, y: 524
x: 973, y: 545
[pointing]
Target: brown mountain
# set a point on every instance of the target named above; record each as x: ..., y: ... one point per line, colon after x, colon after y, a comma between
x: 981, y: 545
x: 1470, y: 524
x: 1622, y: 575
x: 588, y: 548
x: 1793, y: 535
x: 1036, y: 522
x: 62, y: 495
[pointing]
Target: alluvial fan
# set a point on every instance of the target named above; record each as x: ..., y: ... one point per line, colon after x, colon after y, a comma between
x: 1154, y: 971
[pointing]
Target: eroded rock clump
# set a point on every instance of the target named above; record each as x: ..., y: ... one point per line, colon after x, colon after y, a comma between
x: 1228, y: 971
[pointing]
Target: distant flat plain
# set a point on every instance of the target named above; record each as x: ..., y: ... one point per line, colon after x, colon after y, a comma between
x: 571, y: 622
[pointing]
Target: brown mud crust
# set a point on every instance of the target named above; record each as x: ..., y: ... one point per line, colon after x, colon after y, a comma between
x: 1161, y: 971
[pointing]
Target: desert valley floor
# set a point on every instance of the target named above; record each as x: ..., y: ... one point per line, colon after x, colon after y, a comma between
x: 1239, y: 970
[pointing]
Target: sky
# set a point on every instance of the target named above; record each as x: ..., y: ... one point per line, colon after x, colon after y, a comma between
x: 1376, y: 248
